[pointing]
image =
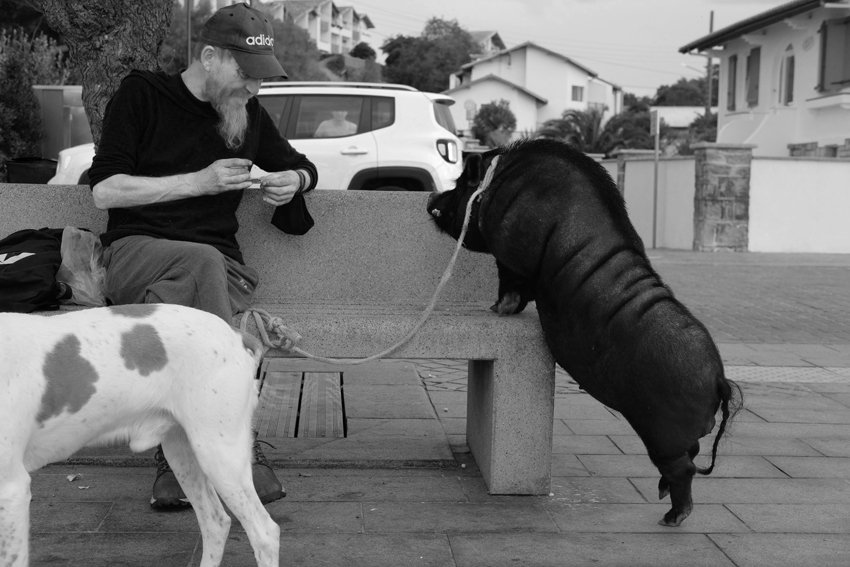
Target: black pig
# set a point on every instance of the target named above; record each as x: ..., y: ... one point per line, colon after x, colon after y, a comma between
x: 557, y: 225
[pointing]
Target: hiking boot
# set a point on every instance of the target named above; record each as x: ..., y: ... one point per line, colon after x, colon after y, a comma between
x: 167, y: 493
x: 266, y: 484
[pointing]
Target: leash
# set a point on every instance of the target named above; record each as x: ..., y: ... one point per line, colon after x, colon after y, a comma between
x: 288, y: 339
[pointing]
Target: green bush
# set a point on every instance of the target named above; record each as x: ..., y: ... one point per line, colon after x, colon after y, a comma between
x: 25, y: 61
x: 494, y: 123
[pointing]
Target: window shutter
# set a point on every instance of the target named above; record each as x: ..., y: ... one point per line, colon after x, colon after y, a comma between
x: 730, y: 82
x: 753, y: 67
x: 835, y: 60
x: 789, y: 80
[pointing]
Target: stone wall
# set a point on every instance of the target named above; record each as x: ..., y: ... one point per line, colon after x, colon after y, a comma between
x: 812, y: 149
x: 722, y: 197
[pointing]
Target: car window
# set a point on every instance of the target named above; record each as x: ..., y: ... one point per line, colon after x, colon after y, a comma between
x: 328, y: 116
x: 383, y: 112
x: 444, y: 116
x: 274, y: 105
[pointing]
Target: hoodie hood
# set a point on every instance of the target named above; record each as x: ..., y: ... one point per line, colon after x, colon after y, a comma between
x: 173, y: 88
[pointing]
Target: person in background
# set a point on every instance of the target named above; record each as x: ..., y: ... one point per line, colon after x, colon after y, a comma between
x: 336, y: 126
x: 172, y: 166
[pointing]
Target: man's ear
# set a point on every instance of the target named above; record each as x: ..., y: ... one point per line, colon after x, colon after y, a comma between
x: 472, y: 169
x: 207, y: 55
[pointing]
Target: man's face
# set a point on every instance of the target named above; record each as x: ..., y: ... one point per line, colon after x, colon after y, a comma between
x: 228, y: 89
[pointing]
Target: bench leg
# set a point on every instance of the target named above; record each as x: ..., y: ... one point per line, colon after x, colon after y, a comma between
x: 510, y: 408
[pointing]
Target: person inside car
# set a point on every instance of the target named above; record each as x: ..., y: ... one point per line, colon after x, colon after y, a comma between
x: 336, y: 126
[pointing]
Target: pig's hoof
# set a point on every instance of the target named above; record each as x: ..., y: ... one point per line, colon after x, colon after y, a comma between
x: 674, y: 518
x: 508, y: 304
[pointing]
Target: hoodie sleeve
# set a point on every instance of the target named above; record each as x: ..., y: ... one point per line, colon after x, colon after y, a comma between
x: 275, y: 153
x: 117, y: 150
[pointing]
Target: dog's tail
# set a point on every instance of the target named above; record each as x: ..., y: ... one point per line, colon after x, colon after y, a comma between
x: 731, y: 401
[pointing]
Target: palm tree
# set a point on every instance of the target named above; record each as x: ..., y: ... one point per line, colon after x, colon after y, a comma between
x: 586, y: 131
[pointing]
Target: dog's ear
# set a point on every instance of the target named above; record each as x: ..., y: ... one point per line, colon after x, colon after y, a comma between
x: 472, y: 169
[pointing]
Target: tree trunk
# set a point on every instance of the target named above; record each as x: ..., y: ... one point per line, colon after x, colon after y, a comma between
x: 106, y: 40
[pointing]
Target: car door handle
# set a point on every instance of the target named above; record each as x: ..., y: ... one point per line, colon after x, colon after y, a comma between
x: 353, y: 151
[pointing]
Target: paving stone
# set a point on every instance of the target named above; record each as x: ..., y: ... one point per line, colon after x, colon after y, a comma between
x: 568, y: 465
x: 571, y: 490
x: 641, y: 466
x: 351, y: 550
x: 314, y: 517
x: 570, y: 409
x: 759, y: 490
x: 642, y: 518
x: 111, y: 550
x: 387, y: 449
x: 598, y: 426
x: 414, y: 428
x: 734, y: 444
x: 50, y: 516
x: 584, y: 445
x: 558, y: 550
x: 830, y: 446
x: 789, y: 430
x: 794, y: 518
x: 376, y: 401
x: 138, y: 516
x: 785, y: 550
x: 91, y: 483
x: 345, y: 485
x: 804, y: 416
x: 813, y: 467
x: 461, y: 517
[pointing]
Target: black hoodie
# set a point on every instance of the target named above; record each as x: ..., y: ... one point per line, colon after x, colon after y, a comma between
x: 155, y: 127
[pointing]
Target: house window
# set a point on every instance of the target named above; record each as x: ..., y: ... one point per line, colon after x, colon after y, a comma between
x: 786, y: 77
x: 578, y: 94
x: 731, y: 85
x: 835, y: 55
x: 752, y: 78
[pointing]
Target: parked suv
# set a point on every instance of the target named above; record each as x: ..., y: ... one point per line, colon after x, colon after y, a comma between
x: 364, y: 136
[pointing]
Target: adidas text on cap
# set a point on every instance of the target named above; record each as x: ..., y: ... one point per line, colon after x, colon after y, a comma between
x: 247, y: 33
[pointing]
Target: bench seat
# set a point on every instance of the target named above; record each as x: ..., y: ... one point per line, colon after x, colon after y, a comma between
x: 357, y: 283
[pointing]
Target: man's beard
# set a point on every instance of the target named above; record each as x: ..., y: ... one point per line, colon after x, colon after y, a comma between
x: 233, y: 115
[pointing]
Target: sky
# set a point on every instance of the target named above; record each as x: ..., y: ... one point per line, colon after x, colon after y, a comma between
x: 631, y: 43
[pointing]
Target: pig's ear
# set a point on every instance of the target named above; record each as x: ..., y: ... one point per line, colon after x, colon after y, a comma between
x: 472, y: 169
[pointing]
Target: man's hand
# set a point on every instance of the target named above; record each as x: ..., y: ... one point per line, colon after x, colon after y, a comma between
x: 279, y: 188
x: 223, y: 175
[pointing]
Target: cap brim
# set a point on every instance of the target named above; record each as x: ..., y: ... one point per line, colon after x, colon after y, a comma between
x: 259, y: 65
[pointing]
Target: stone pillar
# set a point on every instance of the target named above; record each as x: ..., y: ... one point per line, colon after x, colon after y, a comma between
x: 722, y: 197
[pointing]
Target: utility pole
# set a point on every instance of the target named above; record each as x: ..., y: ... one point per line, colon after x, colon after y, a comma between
x: 708, y: 71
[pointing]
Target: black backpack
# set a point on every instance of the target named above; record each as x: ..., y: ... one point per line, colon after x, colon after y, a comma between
x: 29, y: 260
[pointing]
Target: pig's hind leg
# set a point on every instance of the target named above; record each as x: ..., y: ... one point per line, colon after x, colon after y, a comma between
x: 676, y: 476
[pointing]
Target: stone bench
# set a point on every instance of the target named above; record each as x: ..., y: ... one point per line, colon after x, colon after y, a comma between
x: 357, y: 283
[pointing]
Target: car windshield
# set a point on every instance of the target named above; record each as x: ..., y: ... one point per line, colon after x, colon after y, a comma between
x: 444, y: 116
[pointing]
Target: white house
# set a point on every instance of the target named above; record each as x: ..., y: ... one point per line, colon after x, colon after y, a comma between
x: 785, y: 79
x: 335, y: 29
x: 539, y: 84
x: 490, y: 42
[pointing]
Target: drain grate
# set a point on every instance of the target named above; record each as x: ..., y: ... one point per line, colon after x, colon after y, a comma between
x: 302, y: 404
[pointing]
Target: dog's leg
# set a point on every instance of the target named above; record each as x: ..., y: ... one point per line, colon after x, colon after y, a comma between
x: 212, y: 519
x: 14, y: 512
x: 228, y: 466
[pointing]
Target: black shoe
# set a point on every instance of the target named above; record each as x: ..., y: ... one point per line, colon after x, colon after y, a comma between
x: 167, y: 493
x: 266, y: 484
